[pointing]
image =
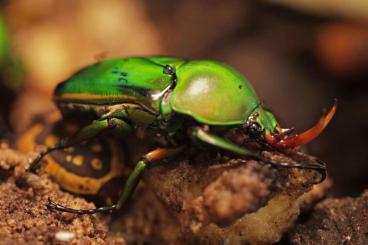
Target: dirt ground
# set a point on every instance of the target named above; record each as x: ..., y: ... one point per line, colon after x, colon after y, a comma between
x: 298, y: 56
x: 197, y: 198
x: 25, y: 218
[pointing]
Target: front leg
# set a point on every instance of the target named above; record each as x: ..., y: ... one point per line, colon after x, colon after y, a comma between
x: 212, y: 139
x: 85, y: 133
x: 130, y: 184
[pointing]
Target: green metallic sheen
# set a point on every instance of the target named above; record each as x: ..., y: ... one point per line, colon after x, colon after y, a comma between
x: 171, y: 99
x: 210, y: 92
x: 265, y: 119
x: 213, y: 93
x: 137, y: 78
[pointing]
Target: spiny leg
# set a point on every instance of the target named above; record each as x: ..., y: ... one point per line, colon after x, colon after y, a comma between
x: 217, y: 141
x: 130, y: 184
x: 85, y: 133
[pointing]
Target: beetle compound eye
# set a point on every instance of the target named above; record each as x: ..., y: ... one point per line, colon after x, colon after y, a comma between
x: 169, y: 70
x: 255, y: 130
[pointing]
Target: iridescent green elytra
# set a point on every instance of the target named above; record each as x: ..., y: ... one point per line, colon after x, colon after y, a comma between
x: 178, y: 99
x: 216, y: 94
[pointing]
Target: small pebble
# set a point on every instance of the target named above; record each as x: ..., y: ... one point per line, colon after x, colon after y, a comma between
x: 64, y: 236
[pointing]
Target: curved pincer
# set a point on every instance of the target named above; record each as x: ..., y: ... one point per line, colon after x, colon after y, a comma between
x: 283, y: 141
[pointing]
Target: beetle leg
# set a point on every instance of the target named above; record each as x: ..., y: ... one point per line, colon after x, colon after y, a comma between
x: 130, y: 184
x: 212, y: 139
x: 85, y: 133
x: 222, y: 143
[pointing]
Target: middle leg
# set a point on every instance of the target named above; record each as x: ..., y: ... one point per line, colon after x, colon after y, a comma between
x: 130, y: 184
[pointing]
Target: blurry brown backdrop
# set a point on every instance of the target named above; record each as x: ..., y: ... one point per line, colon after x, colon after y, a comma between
x: 299, y: 55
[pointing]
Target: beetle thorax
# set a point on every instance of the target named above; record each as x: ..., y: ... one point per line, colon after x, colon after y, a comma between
x: 213, y: 93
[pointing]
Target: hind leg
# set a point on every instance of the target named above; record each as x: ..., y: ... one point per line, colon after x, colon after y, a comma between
x: 85, y: 133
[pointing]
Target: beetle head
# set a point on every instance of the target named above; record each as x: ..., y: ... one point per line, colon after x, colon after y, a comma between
x: 259, y: 122
x: 281, y: 138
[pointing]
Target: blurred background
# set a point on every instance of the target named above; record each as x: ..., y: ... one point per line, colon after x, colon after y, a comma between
x: 298, y: 54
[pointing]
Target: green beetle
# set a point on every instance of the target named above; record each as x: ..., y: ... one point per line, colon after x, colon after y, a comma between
x: 175, y: 99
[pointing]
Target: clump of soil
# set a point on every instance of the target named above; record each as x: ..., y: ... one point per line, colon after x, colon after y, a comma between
x: 335, y: 221
x: 25, y: 218
x: 201, y: 196
x: 237, y: 200
x: 198, y: 197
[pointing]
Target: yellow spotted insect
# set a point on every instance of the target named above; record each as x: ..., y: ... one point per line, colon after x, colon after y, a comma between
x: 91, y: 169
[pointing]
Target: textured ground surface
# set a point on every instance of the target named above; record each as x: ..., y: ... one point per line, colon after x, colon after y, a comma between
x: 197, y: 198
x: 335, y: 221
x: 214, y: 200
x: 25, y: 218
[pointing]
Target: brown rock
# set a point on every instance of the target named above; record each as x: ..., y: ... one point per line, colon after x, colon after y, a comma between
x: 218, y: 199
x: 335, y: 221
